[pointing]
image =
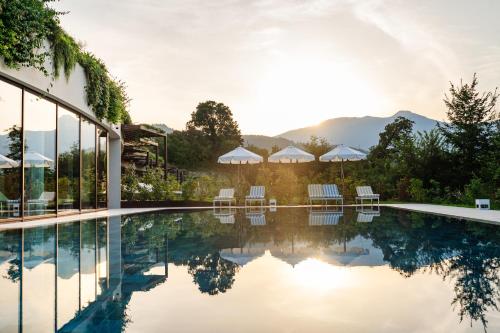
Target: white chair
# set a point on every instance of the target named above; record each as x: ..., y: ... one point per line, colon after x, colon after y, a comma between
x: 315, y: 193
x: 366, y: 193
x: 226, y: 195
x: 331, y: 192
x: 257, y: 193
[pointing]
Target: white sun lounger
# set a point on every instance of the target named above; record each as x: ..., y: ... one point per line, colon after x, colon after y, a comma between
x: 324, y: 193
x: 366, y: 193
x: 226, y: 195
x: 257, y: 193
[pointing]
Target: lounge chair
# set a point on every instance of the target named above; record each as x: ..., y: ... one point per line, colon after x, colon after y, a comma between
x: 225, y: 195
x: 324, y: 193
x: 331, y: 192
x: 366, y: 193
x: 315, y: 193
x: 257, y: 193
x: 317, y: 218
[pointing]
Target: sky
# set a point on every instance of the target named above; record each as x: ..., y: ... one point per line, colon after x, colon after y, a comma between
x: 285, y: 64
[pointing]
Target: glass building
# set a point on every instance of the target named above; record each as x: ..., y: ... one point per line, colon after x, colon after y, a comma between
x: 53, y: 159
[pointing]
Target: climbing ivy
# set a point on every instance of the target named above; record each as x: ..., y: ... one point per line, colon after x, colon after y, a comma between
x: 26, y: 25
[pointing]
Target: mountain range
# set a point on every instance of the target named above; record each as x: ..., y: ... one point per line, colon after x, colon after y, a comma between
x: 360, y: 132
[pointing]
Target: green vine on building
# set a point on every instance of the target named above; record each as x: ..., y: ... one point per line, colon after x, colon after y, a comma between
x: 25, y: 27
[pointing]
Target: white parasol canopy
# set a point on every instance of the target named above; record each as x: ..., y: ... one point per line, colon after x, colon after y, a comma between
x: 7, y: 163
x: 291, y: 154
x: 36, y: 160
x: 240, y: 155
x: 342, y: 153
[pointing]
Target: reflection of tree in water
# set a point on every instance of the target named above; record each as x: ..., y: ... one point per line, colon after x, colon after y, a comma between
x: 211, y: 273
x: 477, y: 284
x: 466, y: 253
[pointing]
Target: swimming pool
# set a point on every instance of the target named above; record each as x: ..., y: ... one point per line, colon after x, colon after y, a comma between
x: 292, y: 270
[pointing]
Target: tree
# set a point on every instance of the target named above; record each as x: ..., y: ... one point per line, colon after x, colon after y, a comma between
x: 317, y: 146
x: 394, y: 133
x: 472, y: 126
x: 215, y: 121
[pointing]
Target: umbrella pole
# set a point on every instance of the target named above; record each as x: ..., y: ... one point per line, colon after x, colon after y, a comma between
x: 342, y: 174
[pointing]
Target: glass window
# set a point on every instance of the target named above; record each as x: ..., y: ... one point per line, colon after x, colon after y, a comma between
x: 88, y: 143
x: 39, y: 155
x: 10, y: 150
x: 10, y: 276
x: 68, y: 137
x: 68, y: 272
x: 38, y: 279
x: 102, y: 170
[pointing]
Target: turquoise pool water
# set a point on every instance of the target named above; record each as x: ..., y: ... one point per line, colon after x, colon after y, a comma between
x: 293, y: 270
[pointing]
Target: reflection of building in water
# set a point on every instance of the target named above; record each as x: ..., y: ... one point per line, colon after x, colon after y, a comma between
x: 62, y: 277
x: 356, y: 252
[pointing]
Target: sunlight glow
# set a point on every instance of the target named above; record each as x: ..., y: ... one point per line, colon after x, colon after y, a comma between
x: 319, y: 276
x: 304, y: 92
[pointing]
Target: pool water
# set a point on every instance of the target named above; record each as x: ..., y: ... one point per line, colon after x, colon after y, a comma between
x: 291, y: 270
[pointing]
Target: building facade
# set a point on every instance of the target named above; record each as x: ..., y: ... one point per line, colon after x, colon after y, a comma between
x: 56, y: 157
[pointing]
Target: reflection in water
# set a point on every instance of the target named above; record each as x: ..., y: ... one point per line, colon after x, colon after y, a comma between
x: 323, y: 249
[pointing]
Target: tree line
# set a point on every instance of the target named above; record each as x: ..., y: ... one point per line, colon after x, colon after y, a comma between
x: 453, y: 163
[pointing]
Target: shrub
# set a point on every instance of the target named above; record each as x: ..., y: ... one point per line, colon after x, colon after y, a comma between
x: 417, y: 191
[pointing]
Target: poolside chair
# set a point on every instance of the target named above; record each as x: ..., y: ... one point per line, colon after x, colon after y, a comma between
x: 315, y: 193
x: 331, y: 192
x: 226, y: 195
x: 366, y: 193
x: 317, y: 218
x: 257, y: 193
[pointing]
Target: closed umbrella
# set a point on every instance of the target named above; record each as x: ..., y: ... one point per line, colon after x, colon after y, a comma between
x: 7, y: 163
x: 36, y: 160
x: 291, y: 154
x: 340, y: 154
x: 240, y: 156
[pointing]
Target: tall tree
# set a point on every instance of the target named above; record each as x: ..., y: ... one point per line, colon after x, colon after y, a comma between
x: 472, y: 126
x: 215, y: 121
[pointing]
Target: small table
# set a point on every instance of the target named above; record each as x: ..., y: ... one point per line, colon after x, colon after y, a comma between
x: 483, y: 204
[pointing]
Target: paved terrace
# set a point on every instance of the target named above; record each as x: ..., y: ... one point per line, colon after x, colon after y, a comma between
x: 488, y: 216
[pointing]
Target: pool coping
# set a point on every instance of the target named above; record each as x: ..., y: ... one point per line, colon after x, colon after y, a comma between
x: 462, y: 213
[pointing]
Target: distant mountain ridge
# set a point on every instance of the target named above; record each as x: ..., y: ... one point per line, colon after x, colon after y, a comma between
x: 266, y: 142
x: 362, y: 132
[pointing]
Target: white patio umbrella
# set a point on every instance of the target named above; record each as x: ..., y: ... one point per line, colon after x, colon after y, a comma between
x: 7, y: 163
x: 340, y: 154
x: 291, y: 154
x: 240, y: 156
x: 36, y: 160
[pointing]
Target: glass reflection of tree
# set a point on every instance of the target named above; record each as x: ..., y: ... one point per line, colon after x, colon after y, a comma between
x: 68, y: 179
x: 11, y: 177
